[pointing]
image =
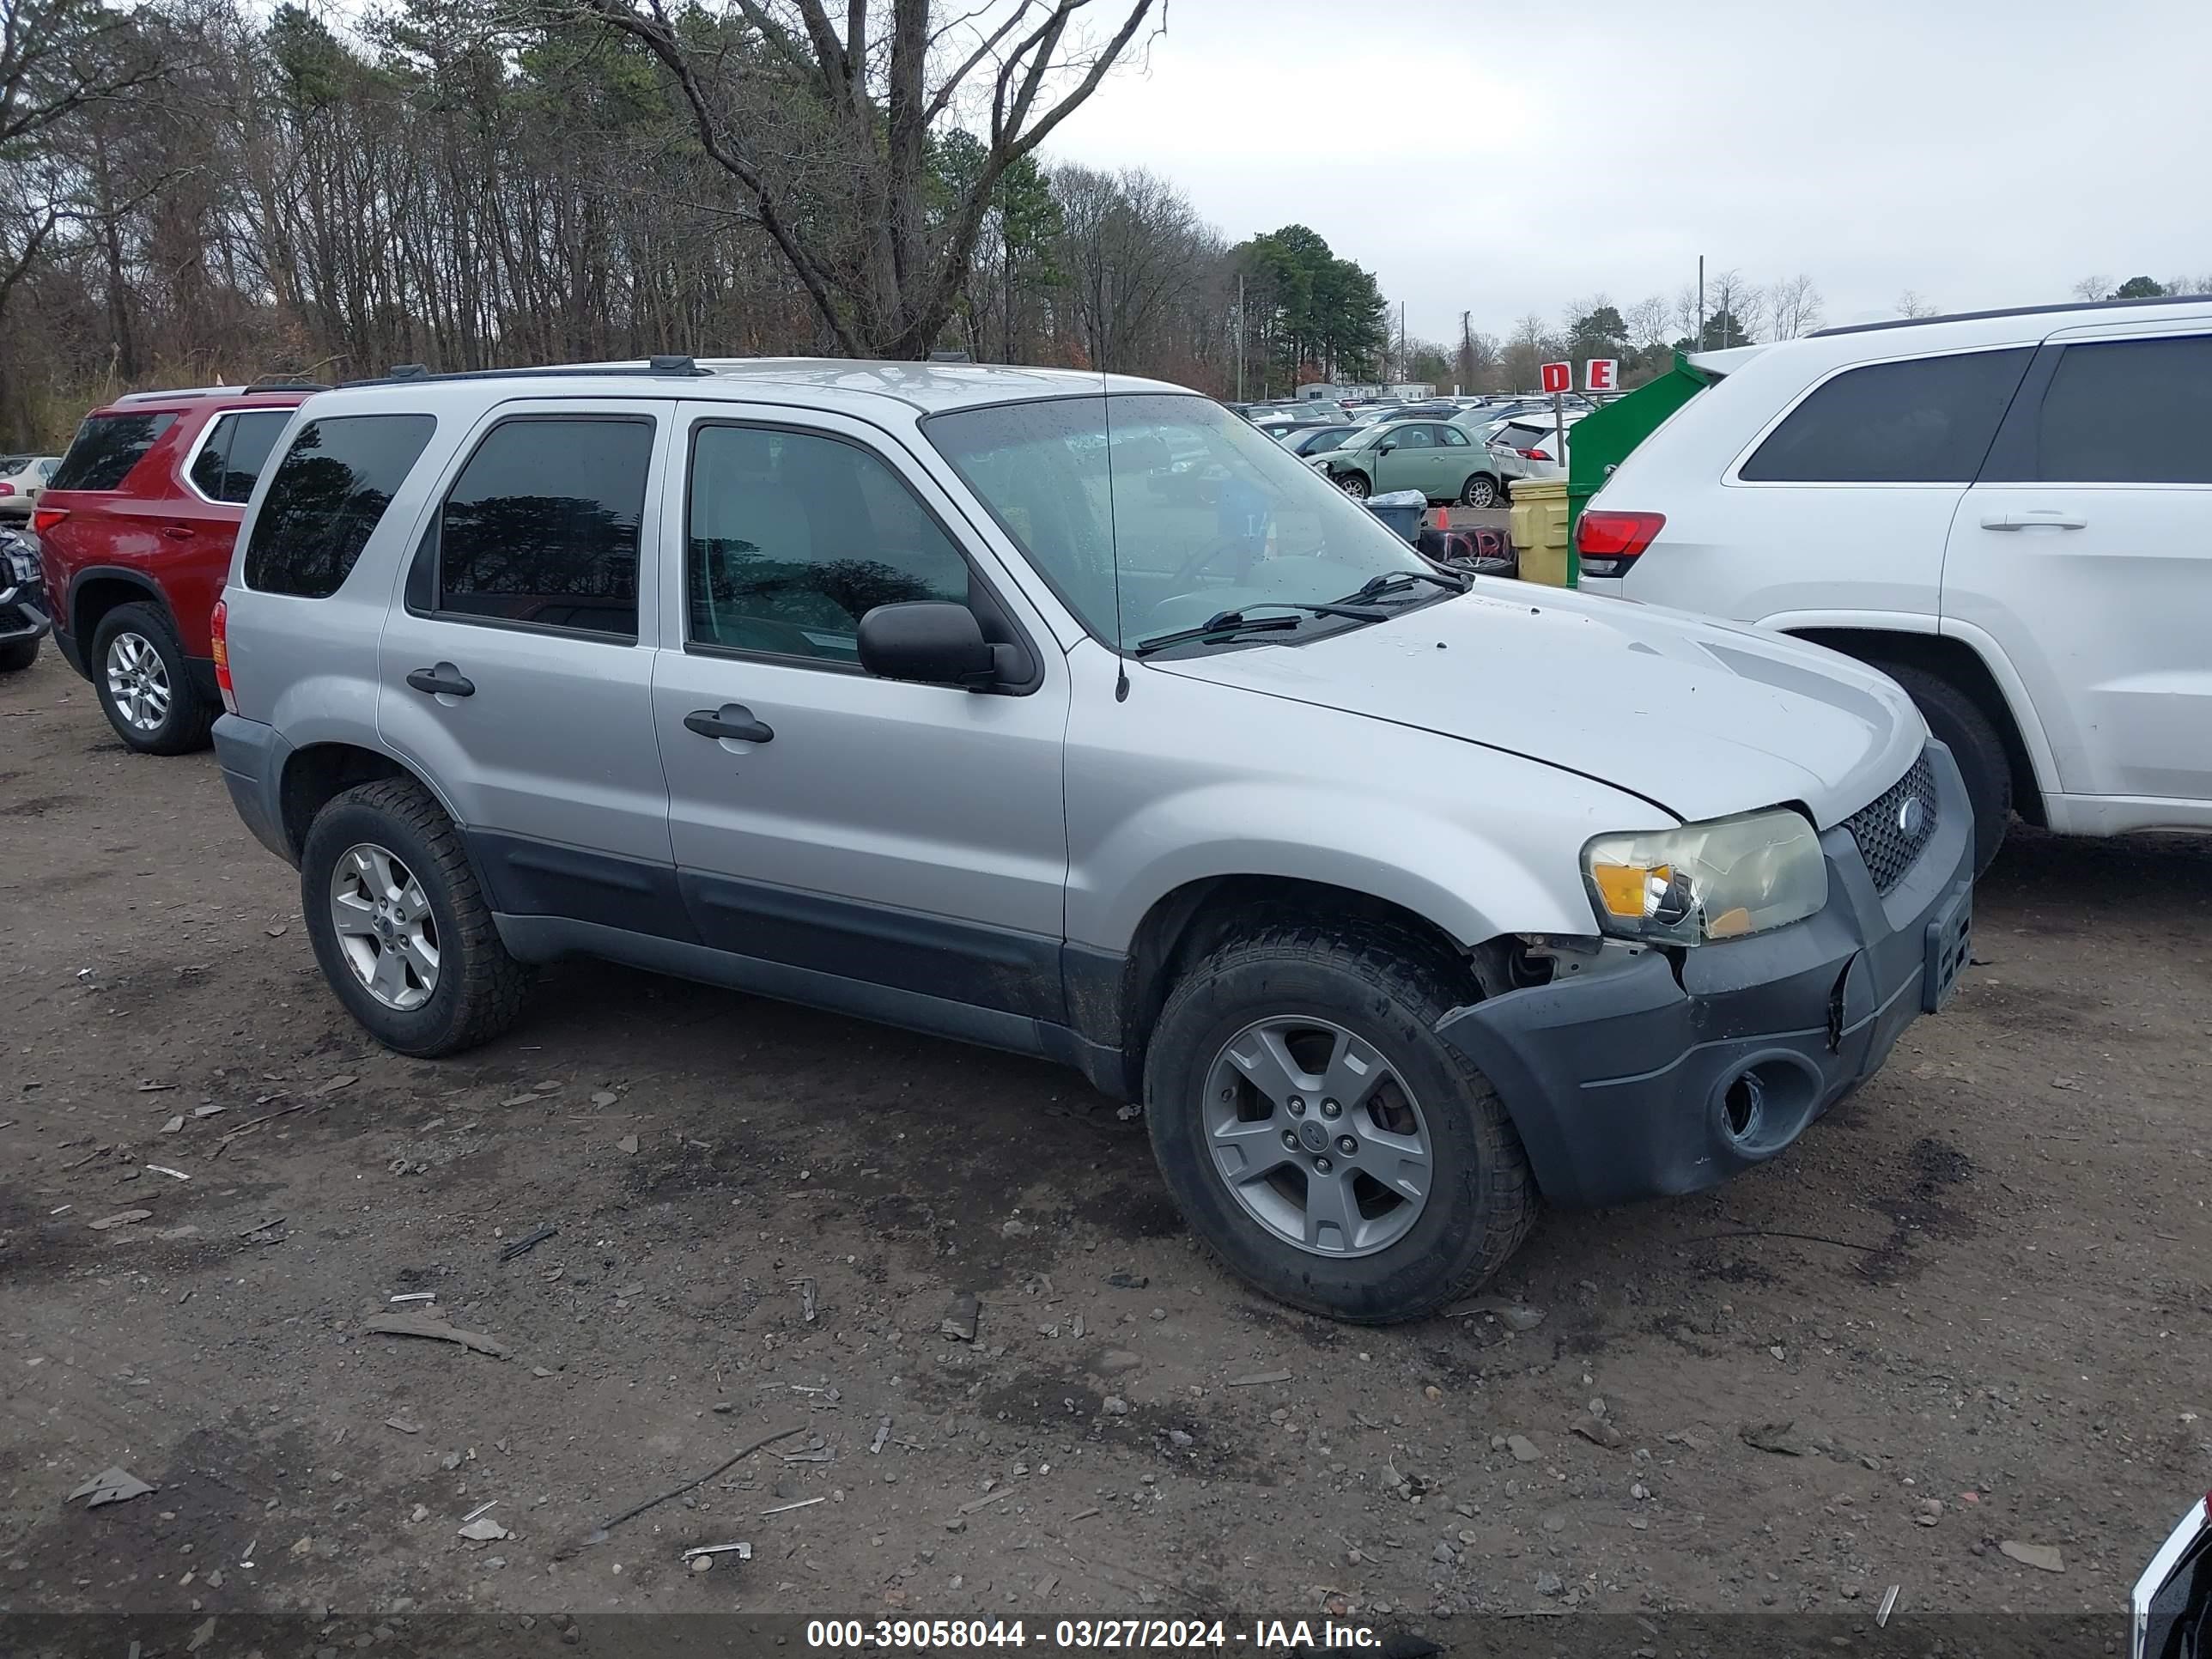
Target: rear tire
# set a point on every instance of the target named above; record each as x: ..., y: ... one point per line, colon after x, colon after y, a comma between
x: 1353, y: 484
x: 478, y: 988
x: 144, y: 683
x: 17, y: 655
x: 1480, y: 490
x: 1378, y: 986
x: 1957, y: 721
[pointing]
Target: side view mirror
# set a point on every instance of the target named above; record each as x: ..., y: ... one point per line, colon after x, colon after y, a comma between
x: 933, y: 642
x: 1384, y: 449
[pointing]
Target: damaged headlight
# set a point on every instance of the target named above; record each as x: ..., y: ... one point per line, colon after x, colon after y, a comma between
x: 1723, y: 879
x: 19, y: 560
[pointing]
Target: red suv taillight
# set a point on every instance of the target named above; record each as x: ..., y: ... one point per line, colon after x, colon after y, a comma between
x: 1609, y: 542
x: 45, y: 518
x: 218, y: 633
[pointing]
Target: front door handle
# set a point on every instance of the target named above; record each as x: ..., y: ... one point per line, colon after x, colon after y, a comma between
x: 2033, y: 521
x: 442, y: 680
x: 176, y: 533
x: 732, y: 720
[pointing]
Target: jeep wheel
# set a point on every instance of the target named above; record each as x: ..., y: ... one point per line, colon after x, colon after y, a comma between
x: 1319, y: 1136
x: 1957, y: 721
x: 400, y: 925
x: 144, y: 683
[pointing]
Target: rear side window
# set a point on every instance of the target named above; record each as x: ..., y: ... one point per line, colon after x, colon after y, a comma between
x: 230, y: 461
x: 542, y: 525
x: 2127, y: 411
x: 1926, y: 421
x: 329, y: 495
x: 106, y: 447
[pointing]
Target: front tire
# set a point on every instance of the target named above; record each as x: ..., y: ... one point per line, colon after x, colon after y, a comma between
x: 1413, y: 1190
x: 145, y: 684
x: 1353, y: 484
x: 17, y: 655
x: 399, y: 923
x: 1957, y: 720
x: 1480, y: 490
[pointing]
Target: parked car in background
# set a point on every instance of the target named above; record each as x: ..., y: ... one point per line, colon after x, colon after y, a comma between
x: 23, y: 478
x: 136, y: 527
x: 933, y: 695
x: 2010, y: 513
x: 1317, y: 439
x: 1528, y: 445
x: 1434, y: 457
x: 24, y: 611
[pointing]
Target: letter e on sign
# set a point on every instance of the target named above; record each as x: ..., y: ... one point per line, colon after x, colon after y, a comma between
x: 1600, y: 374
x: 1559, y: 377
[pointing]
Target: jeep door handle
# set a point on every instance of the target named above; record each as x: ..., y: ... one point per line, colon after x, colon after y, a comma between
x: 732, y: 720
x: 2033, y: 521
x: 442, y: 680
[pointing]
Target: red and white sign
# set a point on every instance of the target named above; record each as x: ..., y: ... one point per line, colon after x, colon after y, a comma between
x: 1559, y: 377
x: 1600, y: 374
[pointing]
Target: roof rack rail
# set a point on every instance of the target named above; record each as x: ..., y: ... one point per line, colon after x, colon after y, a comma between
x: 287, y: 383
x: 2013, y: 311
x: 952, y: 356
x: 175, y: 391
x: 410, y: 372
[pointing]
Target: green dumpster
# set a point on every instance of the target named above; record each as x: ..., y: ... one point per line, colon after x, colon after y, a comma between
x: 1604, y: 436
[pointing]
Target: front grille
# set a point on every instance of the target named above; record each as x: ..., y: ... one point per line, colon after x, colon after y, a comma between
x: 1880, y: 831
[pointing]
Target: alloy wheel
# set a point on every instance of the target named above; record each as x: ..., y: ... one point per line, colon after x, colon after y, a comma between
x: 386, y: 930
x: 138, y: 682
x: 1352, y: 485
x: 1317, y: 1137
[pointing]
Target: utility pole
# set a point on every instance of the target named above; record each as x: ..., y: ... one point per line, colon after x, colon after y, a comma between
x: 1467, y: 349
x: 1240, y: 337
x: 1698, y: 340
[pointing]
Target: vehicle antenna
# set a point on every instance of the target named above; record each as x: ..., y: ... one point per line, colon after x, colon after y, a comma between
x: 1113, y: 530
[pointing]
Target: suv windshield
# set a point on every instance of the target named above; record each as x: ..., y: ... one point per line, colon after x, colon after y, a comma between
x: 1204, y: 513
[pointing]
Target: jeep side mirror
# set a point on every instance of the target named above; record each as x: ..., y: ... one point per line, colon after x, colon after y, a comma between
x: 933, y: 642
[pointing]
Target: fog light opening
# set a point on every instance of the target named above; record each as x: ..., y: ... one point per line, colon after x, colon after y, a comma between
x: 1741, y: 1104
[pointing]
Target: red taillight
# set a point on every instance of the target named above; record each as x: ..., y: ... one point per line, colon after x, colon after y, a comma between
x: 47, y: 517
x: 218, y: 634
x: 1534, y: 455
x: 7, y: 489
x: 1609, y: 542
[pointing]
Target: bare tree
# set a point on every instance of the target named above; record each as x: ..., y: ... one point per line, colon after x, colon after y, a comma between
x: 1793, y: 306
x: 1912, y: 304
x: 826, y: 131
x: 2092, y: 289
x: 1733, y: 304
x: 1648, y: 323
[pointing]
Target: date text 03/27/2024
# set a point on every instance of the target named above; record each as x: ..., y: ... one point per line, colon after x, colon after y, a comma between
x: 1153, y: 1635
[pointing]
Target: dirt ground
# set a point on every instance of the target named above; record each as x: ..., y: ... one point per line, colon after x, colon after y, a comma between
x: 1968, y: 1308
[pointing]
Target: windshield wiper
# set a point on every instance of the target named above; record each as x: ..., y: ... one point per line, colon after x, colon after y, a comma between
x: 1376, y: 587
x: 1227, y: 623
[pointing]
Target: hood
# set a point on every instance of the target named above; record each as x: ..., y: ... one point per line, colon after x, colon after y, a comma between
x: 1699, y: 717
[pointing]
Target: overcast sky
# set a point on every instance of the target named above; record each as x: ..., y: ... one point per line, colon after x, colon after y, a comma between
x: 1507, y: 158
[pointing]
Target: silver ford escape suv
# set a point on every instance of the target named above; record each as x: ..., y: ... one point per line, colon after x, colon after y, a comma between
x: 1072, y: 716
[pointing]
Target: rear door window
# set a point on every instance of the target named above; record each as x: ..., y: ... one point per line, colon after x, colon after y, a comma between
x: 542, y: 526
x: 329, y: 495
x: 106, y: 447
x: 2126, y: 411
x: 1929, y: 420
x: 229, y: 462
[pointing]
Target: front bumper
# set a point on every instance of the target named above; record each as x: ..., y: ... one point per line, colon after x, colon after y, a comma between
x: 24, y: 613
x: 1643, y: 1080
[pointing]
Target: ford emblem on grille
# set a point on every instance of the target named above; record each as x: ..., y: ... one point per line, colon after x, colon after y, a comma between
x: 1912, y: 816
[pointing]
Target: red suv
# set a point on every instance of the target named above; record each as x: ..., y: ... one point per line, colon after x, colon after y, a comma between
x: 136, y: 527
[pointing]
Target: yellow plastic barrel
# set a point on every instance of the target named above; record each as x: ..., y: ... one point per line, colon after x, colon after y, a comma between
x: 1538, y: 526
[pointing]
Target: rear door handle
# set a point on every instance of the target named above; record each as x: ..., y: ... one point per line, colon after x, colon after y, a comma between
x: 176, y: 533
x: 2033, y: 521
x: 442, y: 680
x: 732, y: 720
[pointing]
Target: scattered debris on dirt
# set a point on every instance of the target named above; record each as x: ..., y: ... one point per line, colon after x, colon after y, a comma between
x: 959, y: 1321
x: 111, y: 1485
x: 431, y: 1325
